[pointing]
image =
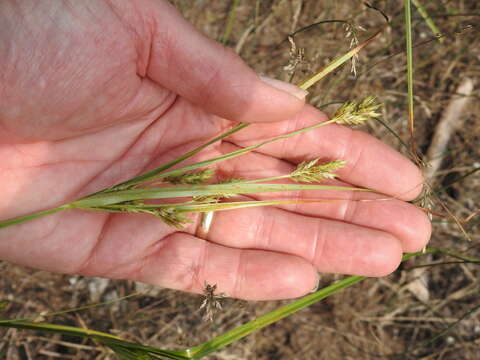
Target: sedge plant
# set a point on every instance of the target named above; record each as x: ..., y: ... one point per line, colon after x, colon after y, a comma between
x: 190, y: 182
x: 194, y: 192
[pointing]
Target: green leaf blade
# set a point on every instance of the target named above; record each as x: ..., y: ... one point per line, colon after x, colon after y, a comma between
x: 106, y: 199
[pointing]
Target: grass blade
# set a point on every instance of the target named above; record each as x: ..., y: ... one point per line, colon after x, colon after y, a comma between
x: 392, y: 132
x: 107, y: 339
x: 106, y: 199
x: 22, y: 219
x: 128, y: 354
x: 428, y: 20
x: 153, y: 173
x: 236, y: 334
x: 231, y: 19
x: 409, y: 48
x: 58, y: 329
x: 452, y: 325
x: 456, y: 180
x: 81, y: 308
x: 336, y: 63
x: 247, y: 204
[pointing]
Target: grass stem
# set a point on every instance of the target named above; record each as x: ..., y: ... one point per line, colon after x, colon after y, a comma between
x: 22, y: 219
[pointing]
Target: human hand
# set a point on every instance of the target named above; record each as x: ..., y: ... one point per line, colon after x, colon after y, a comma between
x: 93, y: 93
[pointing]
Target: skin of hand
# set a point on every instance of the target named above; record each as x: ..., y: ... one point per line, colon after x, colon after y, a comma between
x: 95, y: 92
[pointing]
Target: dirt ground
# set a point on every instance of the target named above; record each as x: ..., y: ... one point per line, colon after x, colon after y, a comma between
x: 390, y: 318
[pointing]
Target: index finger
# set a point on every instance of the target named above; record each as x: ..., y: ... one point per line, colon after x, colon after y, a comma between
x: 370, y: 163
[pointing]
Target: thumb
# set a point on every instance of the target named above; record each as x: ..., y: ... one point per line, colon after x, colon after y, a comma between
x: 213, y: 76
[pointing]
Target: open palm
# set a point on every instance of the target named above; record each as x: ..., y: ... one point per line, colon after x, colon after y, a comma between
x: 93, y: 93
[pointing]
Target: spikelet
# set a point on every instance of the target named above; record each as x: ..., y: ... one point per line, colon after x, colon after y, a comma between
x: 354, y: 113
x: 169, y: 215
x: 191, y: 178
x: 309, y: 171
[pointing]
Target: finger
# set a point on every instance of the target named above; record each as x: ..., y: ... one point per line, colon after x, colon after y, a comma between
x: 185, y: 262
x: 211, y: 75
x: 332, y: 246
x: 142, y: 248
x: 405, y: 221
x: 370, y: 162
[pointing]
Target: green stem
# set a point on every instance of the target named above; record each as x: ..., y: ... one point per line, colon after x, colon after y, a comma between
x: 153, y: 173
x: 102, y: 337
x: 242, y: 151
x: 191, y: 208
x: 22, y: 219
x: 118, y: 197
x: 455, y: 254
x: 423, y: 12
x: 62, y: 329
x: 409, y: 47
x: 392, y: 132
x: 273, y: 178
x: 336, y: 63
x: 61, y: 312
x: 451, y: 326
x: 230, y: 21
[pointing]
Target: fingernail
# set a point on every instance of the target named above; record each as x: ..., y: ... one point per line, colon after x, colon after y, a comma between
x: 284, y: 86
x: 317, y: 284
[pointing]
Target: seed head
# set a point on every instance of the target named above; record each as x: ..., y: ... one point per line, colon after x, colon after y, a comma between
x: 206, y: 199
x: 211, y: 301
x: 297, y: 57
x: 172, y: 217
x: 353, y: 113
x: 309, y: 171
x: 169, y: 215
x: 351, y: 32
x: 191, y: 178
